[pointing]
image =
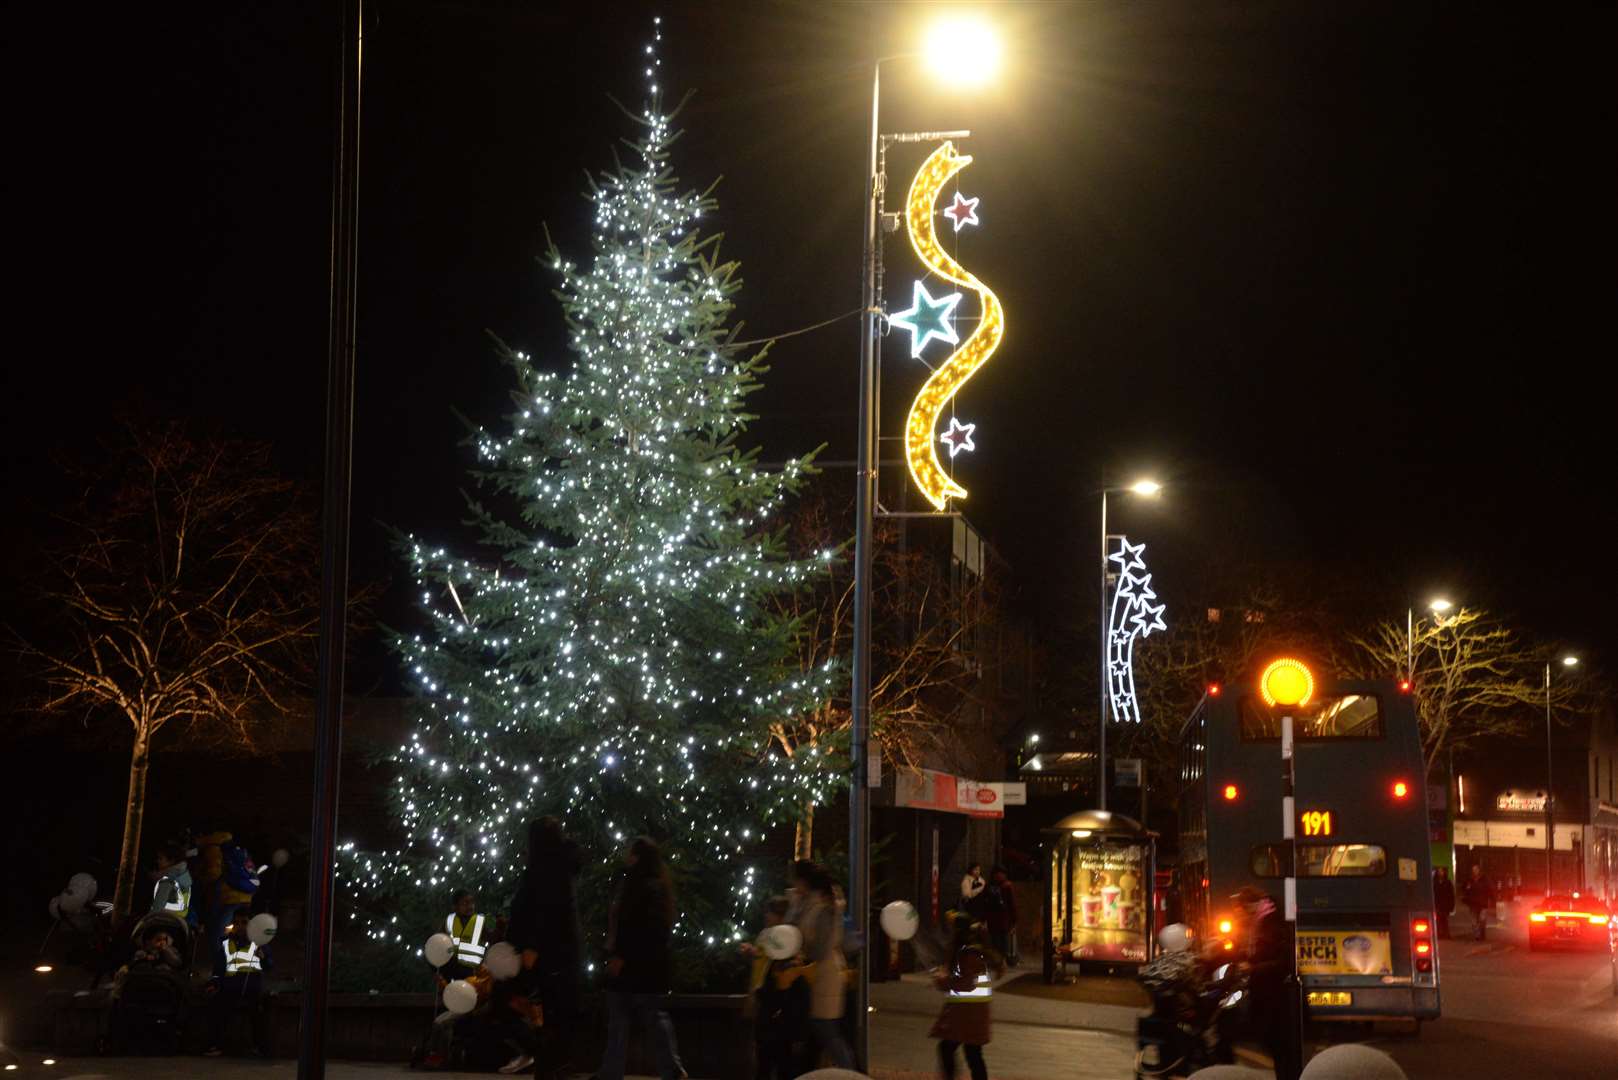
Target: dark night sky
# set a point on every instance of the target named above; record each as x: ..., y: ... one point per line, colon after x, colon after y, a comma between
x: 1341, y: 274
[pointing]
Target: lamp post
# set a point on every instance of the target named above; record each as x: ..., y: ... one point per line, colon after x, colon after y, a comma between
x: 1550, y: 796
x: 1150, y: 489
x: 1438, y: 605
x: 965, y: 53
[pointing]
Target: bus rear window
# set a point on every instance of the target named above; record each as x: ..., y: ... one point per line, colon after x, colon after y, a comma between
x: 1322, y: 860
x: 1351, y: 716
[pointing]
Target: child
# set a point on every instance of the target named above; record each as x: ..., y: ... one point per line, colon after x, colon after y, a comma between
x: 779, y: 998
x: 964, y: 1019
x: 237, y: 985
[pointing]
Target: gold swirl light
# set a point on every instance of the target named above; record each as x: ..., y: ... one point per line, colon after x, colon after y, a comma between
x: 921, y: 449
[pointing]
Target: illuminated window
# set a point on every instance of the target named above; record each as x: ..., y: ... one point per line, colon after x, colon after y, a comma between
x: 1350, y: 716
x: 1321, y: 860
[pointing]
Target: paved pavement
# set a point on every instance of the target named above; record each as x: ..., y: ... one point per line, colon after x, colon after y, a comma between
x: 1508, y: 1013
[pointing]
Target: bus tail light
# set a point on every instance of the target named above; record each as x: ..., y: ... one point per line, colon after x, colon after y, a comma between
x: 1231, y: 792
x: 1400, y: 789
x: 1214, y: 689
x: 1404, y: 686
x: 1423, y: 957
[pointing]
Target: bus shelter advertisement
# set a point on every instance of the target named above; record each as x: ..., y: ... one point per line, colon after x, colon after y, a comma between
x: 1106, y: 907
x: 1344, y: 952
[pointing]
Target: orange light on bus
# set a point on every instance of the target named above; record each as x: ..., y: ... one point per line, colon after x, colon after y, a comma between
x: 1229, y: 945
x: 1400, y: 789
x: 1286, y: 682
x: 1423, y: 948
x: 1214, y: 689
x: 1422, y: 925
x: 1404, y: 686
x: 1231, y: 793
x: 1537, y: 916
x: 1224, y: 926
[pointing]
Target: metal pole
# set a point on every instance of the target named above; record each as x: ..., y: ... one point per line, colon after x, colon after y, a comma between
x: 1292, y: 993
x: 1410, y: 647
x: 859, y: 795
x: 1550, y: 797
x: 1101, y: 715
x: 334, y: 541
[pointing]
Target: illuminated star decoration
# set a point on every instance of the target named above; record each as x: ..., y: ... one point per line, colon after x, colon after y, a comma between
x: 962, y: 211
x: 1133, y: 616
x: 927, y: 318
x: 958, y: 437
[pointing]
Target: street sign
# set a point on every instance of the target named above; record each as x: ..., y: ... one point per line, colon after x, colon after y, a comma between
x: 1127, y: 771
x: 1014, y: 794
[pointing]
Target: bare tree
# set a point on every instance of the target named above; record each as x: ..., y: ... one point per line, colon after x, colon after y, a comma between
x: 921, y: 661
x: 184, y: 595
x: 1473, y: 676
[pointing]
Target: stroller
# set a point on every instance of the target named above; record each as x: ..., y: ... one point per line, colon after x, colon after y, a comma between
x: 149, y: 1002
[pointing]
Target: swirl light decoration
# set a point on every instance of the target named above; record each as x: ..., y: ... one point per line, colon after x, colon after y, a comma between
x: 921, y: 448
x: 1133, y: 616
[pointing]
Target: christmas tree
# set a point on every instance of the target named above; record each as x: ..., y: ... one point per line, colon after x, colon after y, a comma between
x: 611, y: 655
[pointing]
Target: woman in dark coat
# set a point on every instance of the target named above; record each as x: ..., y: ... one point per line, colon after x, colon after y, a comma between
x: 545, y: 929
x: 639, y: 962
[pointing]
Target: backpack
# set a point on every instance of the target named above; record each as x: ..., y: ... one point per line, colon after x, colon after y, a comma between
x: 236, y: 867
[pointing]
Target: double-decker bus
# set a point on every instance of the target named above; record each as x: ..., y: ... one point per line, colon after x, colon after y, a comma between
x: 1366, y: 946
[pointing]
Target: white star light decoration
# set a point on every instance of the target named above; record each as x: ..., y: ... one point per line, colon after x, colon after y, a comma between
x: 1133, y: 616
x: 958, y: 437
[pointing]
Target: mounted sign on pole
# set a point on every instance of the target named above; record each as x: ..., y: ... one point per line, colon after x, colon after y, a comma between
x: 1128, y: 771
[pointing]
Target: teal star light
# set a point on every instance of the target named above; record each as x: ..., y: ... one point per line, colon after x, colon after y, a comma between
x: 927, y: 319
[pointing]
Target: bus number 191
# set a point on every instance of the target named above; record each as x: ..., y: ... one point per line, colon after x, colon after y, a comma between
x: 1317, y: 823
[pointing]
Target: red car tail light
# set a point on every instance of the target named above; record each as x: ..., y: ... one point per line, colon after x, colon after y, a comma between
x: 1598, y: 920
x: 1537, y: 916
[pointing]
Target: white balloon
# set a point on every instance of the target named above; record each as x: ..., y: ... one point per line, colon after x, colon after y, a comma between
x: 83, y: 884
x: 900, y: 921
x: 460, y: 997
x: 261, y: 928
x: 56, y: 907
x: 782, y: 942
x: 72, y: 903
x: 502, y: 960
x: 1352, y: 1061
x: 440, y: 947
x: 279, y: 859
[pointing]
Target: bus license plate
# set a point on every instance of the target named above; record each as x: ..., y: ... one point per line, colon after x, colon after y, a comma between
x: 1330, y: 997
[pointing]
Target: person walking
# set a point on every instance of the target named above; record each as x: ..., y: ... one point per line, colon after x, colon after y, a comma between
x: 639, y: 964
x: 1000, y: 913
x: 544, y: 928
x: 778, y: 996
x: 964, y: 1022
x: 1478, y: 895
x: 972, y: 886
x: 820, y: 921
x: 236, y: 985
x: 1443, y: 900
x: 1269, y: 954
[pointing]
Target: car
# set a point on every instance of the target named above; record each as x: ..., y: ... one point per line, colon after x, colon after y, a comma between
x: 1572, y: 921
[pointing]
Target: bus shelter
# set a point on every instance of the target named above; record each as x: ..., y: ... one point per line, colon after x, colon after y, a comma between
x: 1099, y: 869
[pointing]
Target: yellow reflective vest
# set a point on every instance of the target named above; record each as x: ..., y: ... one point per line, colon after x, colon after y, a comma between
x: 469, y: 947
x: 240, y: 961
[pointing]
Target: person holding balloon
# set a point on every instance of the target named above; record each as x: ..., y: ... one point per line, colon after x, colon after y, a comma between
x: 238, y: 980
x: 778, y: 993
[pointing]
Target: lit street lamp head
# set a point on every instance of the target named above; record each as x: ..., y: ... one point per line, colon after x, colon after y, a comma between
x: 1146, y: 487
x: 963, y: 50
x: 1440, y: 605
x: 1569, y: 661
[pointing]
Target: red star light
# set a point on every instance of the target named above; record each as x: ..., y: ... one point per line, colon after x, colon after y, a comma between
x: 963, y: 211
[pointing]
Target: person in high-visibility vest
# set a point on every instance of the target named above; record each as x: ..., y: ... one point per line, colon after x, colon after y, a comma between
x: 465, y: 926
x: 964, y: 1022
x: 173, y: 891
x: 237, y: 984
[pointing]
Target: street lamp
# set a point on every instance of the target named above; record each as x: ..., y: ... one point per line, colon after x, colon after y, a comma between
x: 1149, y: 489
x: 1550, y: 797
x: 1438, y: 605
x: 958, y: 52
